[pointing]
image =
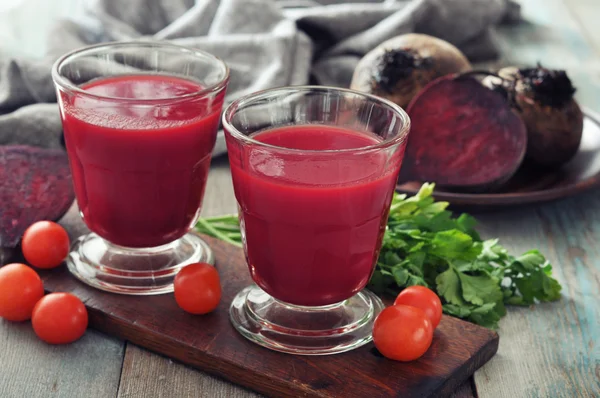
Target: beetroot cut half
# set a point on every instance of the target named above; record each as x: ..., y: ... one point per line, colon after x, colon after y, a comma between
x: 463, y: 136
x: 35, y: 184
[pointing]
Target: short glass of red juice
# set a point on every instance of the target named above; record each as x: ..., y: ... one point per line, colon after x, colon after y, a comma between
x: 140, y: 121
x: 314, y: 170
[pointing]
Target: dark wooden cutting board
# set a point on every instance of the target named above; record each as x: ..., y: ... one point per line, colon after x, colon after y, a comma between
x: 211, y: 344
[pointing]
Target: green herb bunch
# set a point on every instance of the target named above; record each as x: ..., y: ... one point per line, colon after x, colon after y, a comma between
x: 425, y: 245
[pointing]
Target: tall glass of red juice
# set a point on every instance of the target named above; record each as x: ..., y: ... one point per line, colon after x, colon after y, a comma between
x: 314, y: 171
x: 140, y: 121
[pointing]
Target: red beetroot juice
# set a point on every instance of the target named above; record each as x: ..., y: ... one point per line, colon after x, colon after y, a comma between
x: 313, y: 222
x: 139, y: 169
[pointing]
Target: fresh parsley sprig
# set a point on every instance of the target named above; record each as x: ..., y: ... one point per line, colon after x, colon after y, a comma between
x: 425, y: 244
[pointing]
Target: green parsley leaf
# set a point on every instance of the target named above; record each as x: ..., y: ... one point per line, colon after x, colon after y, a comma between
x: 474, y: 278
x: 460, y: 311
x: 454, y: 245
x: 479, y: 290
x: 486, y: 315
x: 448, y: 287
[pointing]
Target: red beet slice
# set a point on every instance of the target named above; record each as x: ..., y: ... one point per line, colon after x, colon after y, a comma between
x: 35, y: 184
x: 463, y: 136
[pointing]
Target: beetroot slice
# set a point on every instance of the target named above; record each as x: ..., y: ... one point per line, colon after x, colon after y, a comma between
x: 463, y: 136
x: 35, y: 184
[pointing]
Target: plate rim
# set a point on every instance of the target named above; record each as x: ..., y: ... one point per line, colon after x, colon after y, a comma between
x: 505, y: 199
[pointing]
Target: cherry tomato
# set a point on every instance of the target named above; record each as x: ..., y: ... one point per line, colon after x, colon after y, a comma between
x: 59, y: 318
x: 20, y: 289
x: 402, y: 333
x: 423, y: 298
x: 45, y: 244
x: 198, y: 288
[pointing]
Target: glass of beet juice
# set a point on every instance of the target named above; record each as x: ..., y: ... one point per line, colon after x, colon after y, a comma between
x: 140, y: 121
x: 314, y: 171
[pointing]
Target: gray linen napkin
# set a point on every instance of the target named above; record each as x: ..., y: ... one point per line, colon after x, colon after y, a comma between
x: 266, y: 43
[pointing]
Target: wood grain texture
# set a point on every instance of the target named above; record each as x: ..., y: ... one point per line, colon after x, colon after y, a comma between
x: 555, y: 35
x: 219, y: 197
x: 466, y: 390
x: 550, y: 34
x: 211, y: 344
x: 149, y: 375
x: 90, y: 367
x: 552, y: 349
x: 586, y: 13
x: 146, y: 374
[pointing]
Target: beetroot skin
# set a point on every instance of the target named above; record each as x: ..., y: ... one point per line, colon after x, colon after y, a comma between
x: 35, y: 184
x: 463, y: 136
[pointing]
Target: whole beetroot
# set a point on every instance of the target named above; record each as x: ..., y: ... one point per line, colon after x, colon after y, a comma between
x: 400, y: 67
x: 544, y: 100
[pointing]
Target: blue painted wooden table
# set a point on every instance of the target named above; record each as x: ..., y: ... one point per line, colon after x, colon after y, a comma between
x: 553, y: 350
x: 549, y: 350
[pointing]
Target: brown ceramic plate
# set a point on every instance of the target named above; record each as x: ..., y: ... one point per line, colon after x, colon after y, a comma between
x: 535, y: 186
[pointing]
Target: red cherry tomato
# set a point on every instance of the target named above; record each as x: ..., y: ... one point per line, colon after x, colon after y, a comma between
x: 402, y: 333
x: 198, y: 288
x: 59, y: 318
x: 20, y: 289
x: 423, y: 298
x: 45, y: 244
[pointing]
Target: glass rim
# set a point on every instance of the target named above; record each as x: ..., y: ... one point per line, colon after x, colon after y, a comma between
x: 397, y: 139
x: 63, y: 83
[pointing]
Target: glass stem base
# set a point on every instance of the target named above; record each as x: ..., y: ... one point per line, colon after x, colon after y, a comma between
x: 301, y: 330
x: 123, y: 270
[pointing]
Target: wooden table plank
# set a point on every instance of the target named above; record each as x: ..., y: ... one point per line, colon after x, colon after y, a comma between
x: 564, y: 49
x: 586, y: 13
x: 552, y: 36
x: 89, y: 368
x: 148, y: 375
x: 556, y: 38
x: 219, y: 197
x: 466, y: 390
x: 553, y: 351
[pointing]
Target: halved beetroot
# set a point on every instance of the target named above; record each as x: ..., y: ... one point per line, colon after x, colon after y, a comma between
x: 35, y: 184
x: 463, y: 136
